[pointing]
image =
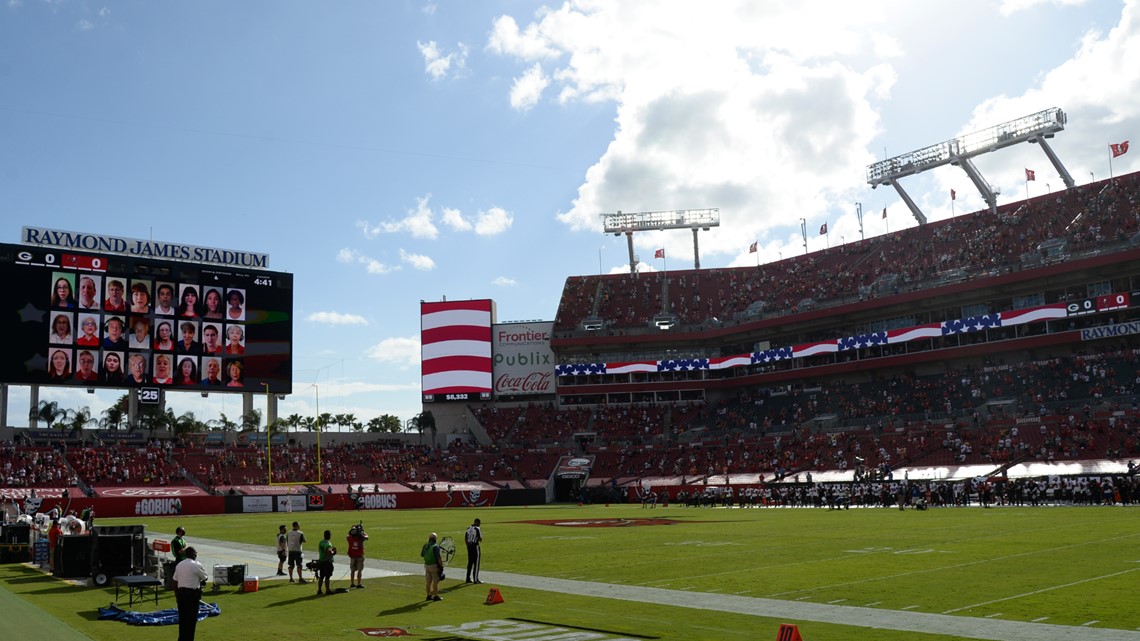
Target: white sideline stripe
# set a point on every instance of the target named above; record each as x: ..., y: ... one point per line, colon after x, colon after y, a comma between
x: 995, y: 614
x: 1040, y: 619
x: 872, y: 603
x: 910, y: 607
x: 837, y: 601
x: 1089, y: 623
x: 1055, y: 587
x: 965, y: 627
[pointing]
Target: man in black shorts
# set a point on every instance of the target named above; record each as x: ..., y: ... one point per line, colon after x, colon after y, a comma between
x: 281, y: 550
x: 293, y: 541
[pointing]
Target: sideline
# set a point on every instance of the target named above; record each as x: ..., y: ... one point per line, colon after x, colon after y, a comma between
x: 18, y: 612
x: 212, y: 552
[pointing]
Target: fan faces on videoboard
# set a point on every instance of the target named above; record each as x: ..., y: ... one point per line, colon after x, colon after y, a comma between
x: 123, y: 331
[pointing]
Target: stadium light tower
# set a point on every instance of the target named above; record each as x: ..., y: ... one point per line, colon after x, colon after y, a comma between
x: 695, y: 219
x: 1034, y: 128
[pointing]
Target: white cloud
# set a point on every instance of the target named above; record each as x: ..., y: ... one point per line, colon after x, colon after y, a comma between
x: 528, y: 88
x: 417, y: 222
x: 503, y: 281
x: 1009, y: 7
x: 490, y: 222
x: 453, y: 218
x: 336, y: 318
x: 85, y: 25
x: 529, y: 45
x: 437, y: 65
x: 371, y: 265
x: 104, y: 12
x: 401, y: 351
x: 418, y: 261
x: 430, y: 8
x: 493, y: 221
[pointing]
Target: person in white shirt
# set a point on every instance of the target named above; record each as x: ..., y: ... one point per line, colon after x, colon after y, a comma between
x: 189, y: 575
x: 293, y: 541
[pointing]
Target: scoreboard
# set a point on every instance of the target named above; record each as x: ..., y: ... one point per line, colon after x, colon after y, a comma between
x: 111, y: 321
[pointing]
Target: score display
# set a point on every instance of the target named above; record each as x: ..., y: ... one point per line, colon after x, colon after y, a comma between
x: 111, y: 321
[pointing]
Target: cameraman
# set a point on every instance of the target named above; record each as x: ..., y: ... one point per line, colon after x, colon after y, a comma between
x: 325, y: 554
x: 356, y: 538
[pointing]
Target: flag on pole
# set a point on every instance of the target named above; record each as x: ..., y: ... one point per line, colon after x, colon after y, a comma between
x: 953, y: 195
x: 884, y: 213
x: 1120, y: 149
x: 823, y: 229
x: 1030, y: 175
x: 660, y: 253
x: 752, y: 248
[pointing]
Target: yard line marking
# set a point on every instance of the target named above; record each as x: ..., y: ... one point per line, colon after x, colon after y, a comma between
x: 1039, y: 619
x: 1055, y: 587
x: 910, y: 607
x: 872, y: 603
x: 996, y: 614
x: 802, y: 598
x: 837, y: 601
x: 956, y: 566
x: 1085, y: 625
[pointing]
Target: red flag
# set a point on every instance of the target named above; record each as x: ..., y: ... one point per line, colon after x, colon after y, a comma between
x: 884, y: 213
x: 953, y: 195
x: 823, y: 229
x: 752, y: 248
x: 1119, y: 150
x: 1030, y: 175
x: 660, y: 253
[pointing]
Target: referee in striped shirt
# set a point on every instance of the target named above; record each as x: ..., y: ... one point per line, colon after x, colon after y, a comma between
x: 474, y: 537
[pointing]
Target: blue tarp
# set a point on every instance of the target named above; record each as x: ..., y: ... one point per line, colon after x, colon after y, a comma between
x: 159, y: 617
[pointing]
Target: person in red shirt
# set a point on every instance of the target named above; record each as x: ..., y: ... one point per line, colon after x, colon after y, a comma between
x: 53, y: 540
x: 356, y: 538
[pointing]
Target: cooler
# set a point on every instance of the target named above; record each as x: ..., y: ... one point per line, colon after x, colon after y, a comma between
x: 229, y: 575
x: 251, y: 584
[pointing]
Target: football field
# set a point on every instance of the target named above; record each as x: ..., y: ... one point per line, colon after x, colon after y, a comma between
x: 602, y: 573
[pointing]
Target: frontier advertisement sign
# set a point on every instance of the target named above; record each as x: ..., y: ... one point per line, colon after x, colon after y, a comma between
x: 524, y: 363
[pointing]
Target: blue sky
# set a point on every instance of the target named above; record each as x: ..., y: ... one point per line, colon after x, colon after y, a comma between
x: 388, y: 152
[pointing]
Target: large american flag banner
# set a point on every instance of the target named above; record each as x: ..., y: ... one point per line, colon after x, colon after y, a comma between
x: 859, y: 341
x: 455, y: 346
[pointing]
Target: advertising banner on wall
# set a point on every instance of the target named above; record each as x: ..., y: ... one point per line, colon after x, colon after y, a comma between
x: 524, y: 363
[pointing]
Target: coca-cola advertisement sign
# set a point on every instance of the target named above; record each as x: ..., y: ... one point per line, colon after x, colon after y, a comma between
x: 524, y: 363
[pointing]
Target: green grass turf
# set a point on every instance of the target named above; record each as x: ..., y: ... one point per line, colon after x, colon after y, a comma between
x: 1071, y: 565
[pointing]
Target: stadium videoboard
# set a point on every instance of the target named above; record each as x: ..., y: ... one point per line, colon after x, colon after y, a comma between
x: 455, y: 343
x: 112, y: 321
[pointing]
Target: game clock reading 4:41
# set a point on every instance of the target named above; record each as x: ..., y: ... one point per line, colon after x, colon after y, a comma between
x: 92, y: 320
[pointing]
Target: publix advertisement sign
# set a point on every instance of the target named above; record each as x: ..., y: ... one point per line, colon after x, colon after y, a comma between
x: 524, y: 363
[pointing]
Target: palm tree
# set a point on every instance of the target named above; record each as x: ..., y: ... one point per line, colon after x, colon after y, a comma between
x: 114, y: 415
x: 80, y: 419
x: 224, y: 424
x: 309, y: 423
x: 49, y: 412
x: 325, y: 419
x: 187, y: 423
x: 251, y: 421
